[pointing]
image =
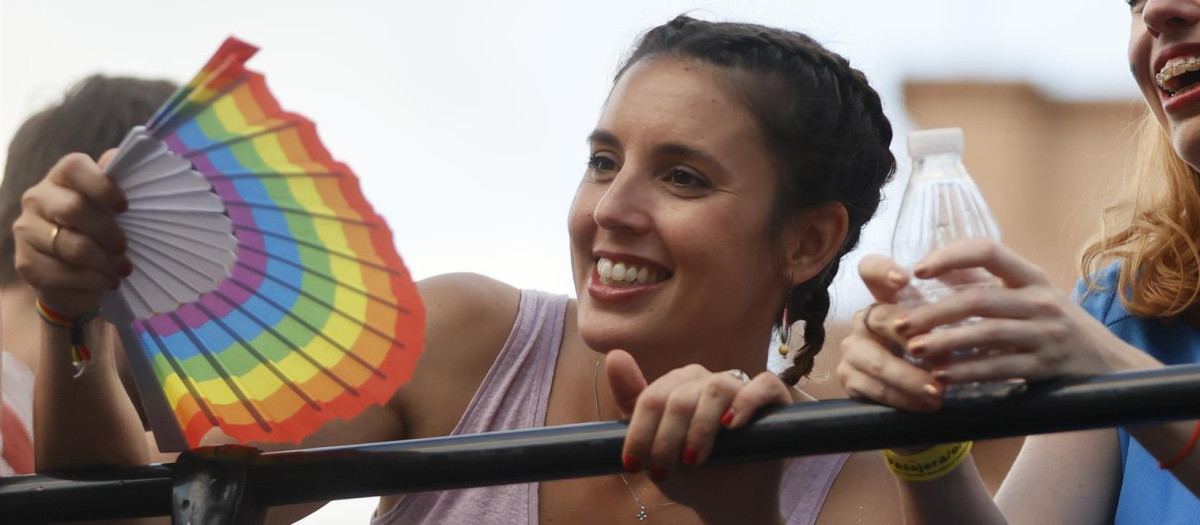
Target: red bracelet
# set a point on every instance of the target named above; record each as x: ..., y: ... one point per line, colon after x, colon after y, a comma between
x: 1186, y: 450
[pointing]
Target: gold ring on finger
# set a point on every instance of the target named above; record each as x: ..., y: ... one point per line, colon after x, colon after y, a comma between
x: 867, y: 321
x: 54, y: 237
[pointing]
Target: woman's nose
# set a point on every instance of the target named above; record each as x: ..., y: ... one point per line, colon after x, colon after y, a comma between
x: 1164, y: 16
x: 625, y: 204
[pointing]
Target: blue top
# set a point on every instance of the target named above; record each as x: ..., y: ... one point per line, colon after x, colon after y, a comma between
x: 1148, y: 493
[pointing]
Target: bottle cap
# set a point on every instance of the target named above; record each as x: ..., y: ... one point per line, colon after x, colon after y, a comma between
x: 932, y: 141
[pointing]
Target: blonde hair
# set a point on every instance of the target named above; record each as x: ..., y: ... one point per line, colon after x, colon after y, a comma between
x: 1153, y: 235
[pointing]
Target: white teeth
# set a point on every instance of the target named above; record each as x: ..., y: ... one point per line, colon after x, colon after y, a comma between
x: 618, y: 273
x: 1167, y: 77
x: 604, y: 267
x: 623, y: 273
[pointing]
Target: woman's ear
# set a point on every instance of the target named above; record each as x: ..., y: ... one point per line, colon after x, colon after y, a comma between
x: 814, y: 238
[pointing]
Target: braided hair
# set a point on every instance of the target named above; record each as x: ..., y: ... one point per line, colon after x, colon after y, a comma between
x: 822, y: 122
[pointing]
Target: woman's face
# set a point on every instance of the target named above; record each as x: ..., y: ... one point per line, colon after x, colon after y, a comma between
x: 1164, y: 57
x: 670, y: 236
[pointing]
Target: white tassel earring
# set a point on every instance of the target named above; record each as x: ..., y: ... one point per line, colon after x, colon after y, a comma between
x: 785, y: 332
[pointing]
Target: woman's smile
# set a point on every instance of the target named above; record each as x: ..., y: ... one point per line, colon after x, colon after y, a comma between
x: 1164, y: 52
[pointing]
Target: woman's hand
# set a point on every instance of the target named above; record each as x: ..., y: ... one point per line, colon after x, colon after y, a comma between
x: 871, y: 365
x: 68, y: 244
x: 1042, y: 331
x: 673, y: 423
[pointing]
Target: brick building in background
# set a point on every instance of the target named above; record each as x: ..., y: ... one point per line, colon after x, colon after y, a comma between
x: 1047, y: 168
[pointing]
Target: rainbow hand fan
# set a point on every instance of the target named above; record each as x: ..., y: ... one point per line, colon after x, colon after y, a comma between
x: 267, y: 297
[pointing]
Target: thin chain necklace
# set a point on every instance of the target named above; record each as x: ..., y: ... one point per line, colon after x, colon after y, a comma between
x: 642, y: 508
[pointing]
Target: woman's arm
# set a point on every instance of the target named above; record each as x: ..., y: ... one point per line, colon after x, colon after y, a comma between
x: 1050, y: 334
x: 1072, y: 477
x: 1075, y: 474
x: 87, y: 420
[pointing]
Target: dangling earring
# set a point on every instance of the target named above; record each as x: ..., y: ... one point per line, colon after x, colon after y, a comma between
x: 785, y: 328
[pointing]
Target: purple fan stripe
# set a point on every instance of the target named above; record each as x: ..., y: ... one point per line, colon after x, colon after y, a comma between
x: 194, y: 318
x: 174, y: 144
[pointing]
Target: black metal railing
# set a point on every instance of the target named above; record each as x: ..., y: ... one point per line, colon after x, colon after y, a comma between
x: 232, y: 484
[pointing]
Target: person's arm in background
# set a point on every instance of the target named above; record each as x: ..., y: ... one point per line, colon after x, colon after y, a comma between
x: 1057, y: 478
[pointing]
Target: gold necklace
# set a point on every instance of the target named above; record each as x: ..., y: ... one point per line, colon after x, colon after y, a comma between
x: 642, y: 508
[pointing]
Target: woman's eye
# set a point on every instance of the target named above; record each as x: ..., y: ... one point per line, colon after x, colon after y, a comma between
x: 1133, y: 3
x: 686, y: 179
x: 600, y: 163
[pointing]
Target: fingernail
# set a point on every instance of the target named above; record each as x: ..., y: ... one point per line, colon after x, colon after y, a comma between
x: 940, y: 373
x: 658, y: 473
x: 690, y: 456
x: 920, y: 271
x: 916, y: 348
x: 126, y: 268
x: 896, y: 277
x: 727, y: 418
x: 631, y: 464
x: 901, y: 325
x: 931, y: 389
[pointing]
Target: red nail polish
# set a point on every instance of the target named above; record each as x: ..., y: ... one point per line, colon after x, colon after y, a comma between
x: 901, y: 325
x: 631, y: 464
x: 690, y: 456
x: 916, y: 350
x: 658, y: 473
x: 126, y: 269
x: 727, y: 418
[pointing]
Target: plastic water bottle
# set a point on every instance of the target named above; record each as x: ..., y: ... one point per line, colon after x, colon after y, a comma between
x: 942, y: 205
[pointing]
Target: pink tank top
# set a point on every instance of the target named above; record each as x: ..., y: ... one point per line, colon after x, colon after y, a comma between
x: 514, y: 395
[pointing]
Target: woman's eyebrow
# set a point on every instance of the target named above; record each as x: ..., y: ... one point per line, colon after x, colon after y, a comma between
x: 603, y: 137
x: 676, y: 149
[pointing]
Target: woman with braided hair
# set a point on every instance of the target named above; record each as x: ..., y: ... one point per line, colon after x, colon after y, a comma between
x: 732, y: 166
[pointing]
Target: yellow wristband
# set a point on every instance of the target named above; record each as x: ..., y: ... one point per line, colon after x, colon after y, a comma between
x: 929, y: 464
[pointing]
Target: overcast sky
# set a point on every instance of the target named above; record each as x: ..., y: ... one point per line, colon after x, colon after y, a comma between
x: 466, y: 120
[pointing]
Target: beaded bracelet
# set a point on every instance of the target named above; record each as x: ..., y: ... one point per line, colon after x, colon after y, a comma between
x: 929, y: 464
x: 1187, y: 449
x: 80, y: 355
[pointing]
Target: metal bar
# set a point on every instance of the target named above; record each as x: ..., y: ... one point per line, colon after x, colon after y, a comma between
x: 592, y: 449
x: 112, y: 492
x: 212, y: 487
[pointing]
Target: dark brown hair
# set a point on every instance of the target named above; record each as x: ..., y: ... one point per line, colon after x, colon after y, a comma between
x: 94, y: 116
x: 822, y: 121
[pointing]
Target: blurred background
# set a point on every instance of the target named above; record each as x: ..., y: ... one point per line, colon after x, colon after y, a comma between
x: 465, y: 120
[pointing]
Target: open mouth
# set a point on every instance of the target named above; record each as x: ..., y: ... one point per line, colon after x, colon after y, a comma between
x: 627, y: 273
x: 1179, y: 75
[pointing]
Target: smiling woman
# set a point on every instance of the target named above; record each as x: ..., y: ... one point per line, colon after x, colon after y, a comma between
x: 731, y: 168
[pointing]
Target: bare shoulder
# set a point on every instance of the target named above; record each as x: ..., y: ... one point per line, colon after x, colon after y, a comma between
x: 864, y: 492
x: 468, y: 318
x: 470, y: 313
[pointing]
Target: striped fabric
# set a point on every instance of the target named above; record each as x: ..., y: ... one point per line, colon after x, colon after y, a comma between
x: 16, y: 417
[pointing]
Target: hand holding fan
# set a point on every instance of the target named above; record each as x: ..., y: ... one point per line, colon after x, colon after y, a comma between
x: 267, y: 297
